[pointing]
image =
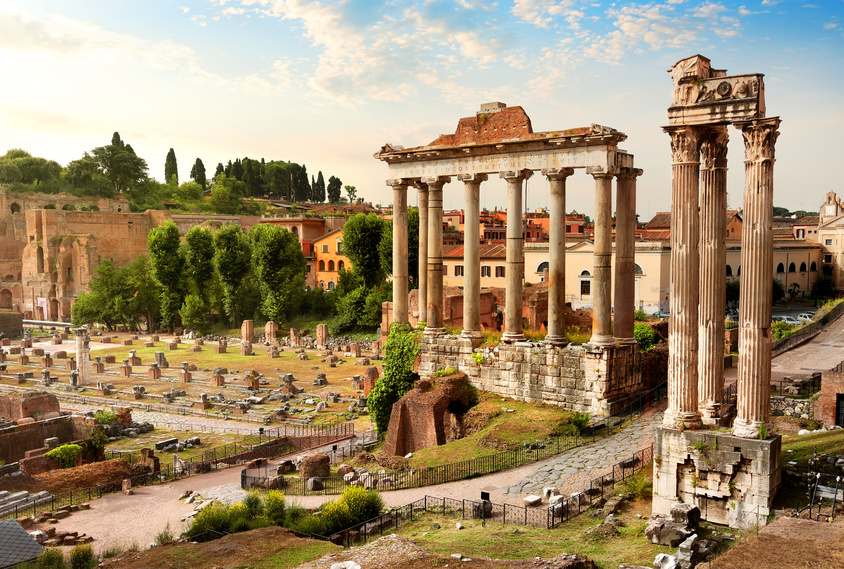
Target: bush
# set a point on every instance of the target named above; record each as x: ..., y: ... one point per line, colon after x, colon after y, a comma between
x: 640, y: 487
x: 335, y: 515
x: 313, y: 525
x: 105, y: 417
x: 580, y: 420
x: 254, y: 504
x: 65, y: 455
x: 213, y: 518
x: 639, y: 315
x: 164, y: 535
x: 275, y: 508
x: 362, y: 504
x: 400, y: 353
x: 51, y: 559
x: 645, y: 335
x: 82, y: 557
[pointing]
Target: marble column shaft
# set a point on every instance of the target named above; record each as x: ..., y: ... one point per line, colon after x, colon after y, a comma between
x: 713, y: 273
x: 472, y: 256
x: 400, y: 269
x: 602, y: 258
x: 625, y: 248
x: 515, y: 265
x: 685, y: 286
x: 557, y: 257
x: 757, y: 246
x: 434, y: 325
x: 422, y: 298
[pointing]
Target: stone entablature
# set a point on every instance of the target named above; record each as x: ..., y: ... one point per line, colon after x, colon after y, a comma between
x: 597, y: 380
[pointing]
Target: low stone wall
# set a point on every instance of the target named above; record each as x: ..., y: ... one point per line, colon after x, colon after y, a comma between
x: 592, y: 380
x: 16, y: 440
x: 788, y: 407
x: 11, y: 323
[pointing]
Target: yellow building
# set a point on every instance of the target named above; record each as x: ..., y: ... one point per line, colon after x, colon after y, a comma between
x: 329, y: 259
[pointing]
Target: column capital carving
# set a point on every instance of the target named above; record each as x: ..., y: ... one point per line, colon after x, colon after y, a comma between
x: 555, y: 174
x: 399, y: 183
x: 515, y: 176
x: 436, y: 182
x: 713, y: 148
x: 629, y: 173
x: 685, y: 143
x: 601, y: 172
x: 760, y: 137
x: 470, y: 178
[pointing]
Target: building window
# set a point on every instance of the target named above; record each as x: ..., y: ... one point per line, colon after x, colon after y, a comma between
x: 331, y: 266
x: 813, y: 267
x: 585, y: 288
x: 729, y: 271
x: 322, y: 265
x: 445, y: 270
x: 801, y: 233
x: 542, y: 266
x: 792, y: 268
x: 827, y: 242
x: 802, y: 267
x: 339, y: 247
x: 499, y: 271
x: 638, y: 270
x: 780, y: 268
x: 325, y: 248
x: 340, y: 265
x: 458, y: 270
x: 331, y: 285
x: 485, y: 272
x: 568, y: 228
x: 827, y: 259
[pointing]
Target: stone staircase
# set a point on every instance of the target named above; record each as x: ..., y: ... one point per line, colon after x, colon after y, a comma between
x: 21, y: 500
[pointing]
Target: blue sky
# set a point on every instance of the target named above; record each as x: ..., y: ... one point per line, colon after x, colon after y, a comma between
x: 327, y: 83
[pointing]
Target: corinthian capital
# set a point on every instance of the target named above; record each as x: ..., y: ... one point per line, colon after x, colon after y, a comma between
x: 760, y: 137
x: 685, y: 143
x: 713, y: 148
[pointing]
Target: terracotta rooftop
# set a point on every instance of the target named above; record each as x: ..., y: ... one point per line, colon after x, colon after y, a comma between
x: 489, y: 250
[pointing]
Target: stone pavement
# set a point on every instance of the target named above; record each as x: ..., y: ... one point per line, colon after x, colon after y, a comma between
x: 569, y: 471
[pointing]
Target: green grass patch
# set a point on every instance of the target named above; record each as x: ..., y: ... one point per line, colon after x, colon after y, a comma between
x: 293, y: 557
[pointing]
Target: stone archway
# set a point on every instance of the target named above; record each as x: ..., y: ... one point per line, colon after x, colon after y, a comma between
x: 54, y: 309
x: 5, y: 298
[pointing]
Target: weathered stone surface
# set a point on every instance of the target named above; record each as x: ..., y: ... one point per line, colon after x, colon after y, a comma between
x: 20, y: 405
x: 533, y: 501
x: 315, y: 465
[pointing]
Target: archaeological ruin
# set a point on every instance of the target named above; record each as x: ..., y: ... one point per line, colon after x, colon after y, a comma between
x: 600, y: 376
x: 732, y: 477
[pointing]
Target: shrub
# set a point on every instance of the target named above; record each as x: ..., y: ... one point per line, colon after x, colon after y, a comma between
x: 51, y: 559
x: 65, y: 455
x: 212, y: 518
x: 164, y: 535
x: 362, y: 504
x: 105, y: 417
x: 275, y: 508
x: 575, y: 336
x: 580, y: 420
x: 645, y: 335
x: 400, y: 353
x: 314, y: 525
x: 639, y: 315
x: 336, y: 515
x: 254, y: 504
x: 82, y: 557
x: 640, y: 487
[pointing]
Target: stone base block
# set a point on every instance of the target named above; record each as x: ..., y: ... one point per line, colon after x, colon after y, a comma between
x: 110, y: 359
x: 14, y: 350
x: 126, y: 342
x: 732, y: 480
x: 97, y: 367
x: 125, y: 371
x: 136, y: 361
x: 196, y: 348
x: 19, y: 380
x: 23, y: 360
x: 71, y: 365
x: 218, y: 381
x: 219, y: 349
x: 149, y: 344
x: 201, y: 405
x: 46, y: 362
x: 184, y: 376
x: 153, y: 373
x: 136, y: 396
x: 244, y: 351
x: 173, y: 346
x: 239, y: 411
x: 103, y: 392
x: 105, y: 340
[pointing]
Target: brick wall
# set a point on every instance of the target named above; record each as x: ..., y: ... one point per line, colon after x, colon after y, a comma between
x: 832, y: 383
x: 15, y: 441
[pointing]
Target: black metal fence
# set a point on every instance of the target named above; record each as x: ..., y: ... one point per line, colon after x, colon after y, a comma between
x: 542, y: 517
x: 796, y: 388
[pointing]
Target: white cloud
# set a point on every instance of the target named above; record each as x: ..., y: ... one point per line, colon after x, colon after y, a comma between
x: 830, y: 26
x: 708, y: 10
x: 542, y: 13
x: 184, y: 9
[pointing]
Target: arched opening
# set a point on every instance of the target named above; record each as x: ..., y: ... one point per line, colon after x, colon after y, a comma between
x: 542, y: 266
x: 738, y: 272
x: 296, y: 231
x: 331, y: 285
x: 330, y: 267
x: 54, y: 309
x: 729, y: 271
x: 780, y: 268
x: 39, y: 259
x: 341, y: 265
x: 802, y: 267
x: 792, y: 268
x: 5, y: 298
x: 322, y: 265
x: 15, y: 208
x: 50, y: 206
x: 585, y: 284
x: 9, y: 278
x: 93, y: 208
x: 813, y: 266
x: 638, y: 270
x: 69, y: 207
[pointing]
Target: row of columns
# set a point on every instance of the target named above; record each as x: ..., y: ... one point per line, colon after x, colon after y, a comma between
x: 430, y: 255
x: 698, y: 276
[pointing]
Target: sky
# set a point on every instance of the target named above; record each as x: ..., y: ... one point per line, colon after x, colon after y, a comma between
x: 326, y: 84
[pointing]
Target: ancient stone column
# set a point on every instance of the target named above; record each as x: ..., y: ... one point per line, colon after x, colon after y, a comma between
x: 515, y: 264
x: 83, y: 357
x: 625, y: 248
x: 557, y: 257
x: 757, y: 247
x: 472, y: 256
x: 434, y: 326
x: 682, y: 409
x: 399, y: 251
x: 602, y: 258
x: 713, y: 273
x: 422, y: 298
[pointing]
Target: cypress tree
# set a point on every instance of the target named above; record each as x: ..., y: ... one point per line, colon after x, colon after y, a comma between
x: 170, y: 167
x: 197, y: 173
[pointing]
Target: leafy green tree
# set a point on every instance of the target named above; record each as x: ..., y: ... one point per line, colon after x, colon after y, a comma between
x: 733, y: 291
x: 171, y: 168
x: 777, y: 290
x: 319, y: 188
x: 232, y: 256
x: 361, y: 235
x: 168, y: 269
x: 399, y: 354
x: 9, y: 172
x: 194, y: 313
x: 119, y: 164
x: 334, y: 189
x: 237, y: 170
x: 197, y: 173
x: 823, y: 287
x: 352, y: 193
x: 226, y: 195
x: 280, y: 267
x: 199, y: 259
x: 277, y: 175
x: 219, y: 170
x: 249, y: 179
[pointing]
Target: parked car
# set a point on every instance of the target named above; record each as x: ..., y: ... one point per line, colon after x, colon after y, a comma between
x: 790, y: 320
x: 805, y: 317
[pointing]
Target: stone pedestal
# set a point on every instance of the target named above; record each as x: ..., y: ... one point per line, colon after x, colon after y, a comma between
x: 46, y: 361
x: 221, y: 347
x: 173, y: 346
x: 218, y: 381
x: 135, y: 361
x: 70, y: 365
x: 732, y: 480
x: 23, y: 360
x: 254, y: 384
x: 195, y: 348
x: 125, y: 370
x: 199, y: 342
x: 246, y: 349
x: 108, y: 359
x: 247, y: 331
x: 184, y: 376
x: 322, y: 335
x: 98, y: 367
x: 270, y: 330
